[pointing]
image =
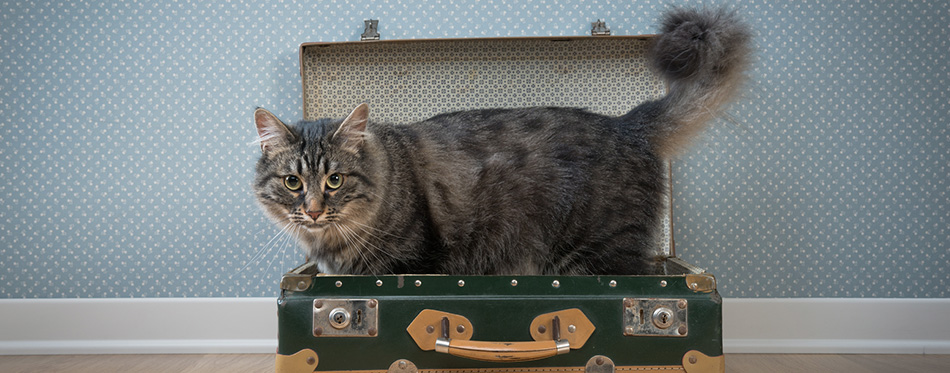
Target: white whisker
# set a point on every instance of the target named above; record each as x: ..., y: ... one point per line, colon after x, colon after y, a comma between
x: 267, y: 248
x: 281, y: 232
x: 378, y: 250
x: 282, y: 244
x: 352, y: 238
x: 366, y: 228
x: 350, y: 241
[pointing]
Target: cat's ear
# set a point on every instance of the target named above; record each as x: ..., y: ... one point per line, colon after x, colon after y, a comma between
x: 352, y: 131
x: 271, y: 132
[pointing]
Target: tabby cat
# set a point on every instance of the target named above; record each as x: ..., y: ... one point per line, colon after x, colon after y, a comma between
x: 525, y: 191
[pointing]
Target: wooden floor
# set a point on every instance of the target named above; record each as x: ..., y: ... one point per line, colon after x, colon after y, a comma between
x: 265, y: 362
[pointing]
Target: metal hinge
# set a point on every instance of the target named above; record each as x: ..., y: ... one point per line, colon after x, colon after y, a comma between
x: 599, y: 28
x: 372, y: 31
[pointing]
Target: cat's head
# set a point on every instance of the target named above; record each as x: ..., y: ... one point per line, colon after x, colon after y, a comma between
x: 315, y: 179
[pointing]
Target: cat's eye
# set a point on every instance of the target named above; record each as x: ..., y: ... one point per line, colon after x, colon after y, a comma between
x: 293, y: 183
x: 334, y: 181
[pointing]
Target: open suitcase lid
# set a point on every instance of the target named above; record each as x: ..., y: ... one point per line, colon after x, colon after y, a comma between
x: 404, y: 81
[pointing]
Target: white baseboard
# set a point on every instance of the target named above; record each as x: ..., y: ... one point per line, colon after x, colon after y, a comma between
x: 249, y: 325
x: 836, y: 325
x: 138, y: 326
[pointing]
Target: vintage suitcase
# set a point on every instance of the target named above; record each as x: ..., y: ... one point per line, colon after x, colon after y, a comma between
x: 669, y: 321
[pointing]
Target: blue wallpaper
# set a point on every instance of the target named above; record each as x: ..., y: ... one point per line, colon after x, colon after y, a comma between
x: 126, y: 137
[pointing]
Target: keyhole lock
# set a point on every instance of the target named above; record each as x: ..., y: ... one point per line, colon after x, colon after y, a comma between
x: 663, y: 317
x: 657, y: 317
x: 345, y: 317
x: 339, y: 318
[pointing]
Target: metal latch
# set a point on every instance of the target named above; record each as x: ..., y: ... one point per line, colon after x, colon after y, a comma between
x: 655, y: 317
x: 371, y: 31
x: 345, y: 318
x: 599, y: 28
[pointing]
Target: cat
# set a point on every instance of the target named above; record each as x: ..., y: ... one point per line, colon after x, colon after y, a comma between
x: 522, y: 191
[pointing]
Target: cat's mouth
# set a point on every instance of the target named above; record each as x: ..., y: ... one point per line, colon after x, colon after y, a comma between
x: 314, y: 226
x: 320, y: 227
x: 317, y: 226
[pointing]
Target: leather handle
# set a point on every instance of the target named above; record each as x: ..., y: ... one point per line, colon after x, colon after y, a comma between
x: 502, y: 351
x: 452, y: 334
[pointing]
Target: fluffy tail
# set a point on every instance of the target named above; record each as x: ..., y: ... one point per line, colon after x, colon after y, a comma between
x: 702, y: 54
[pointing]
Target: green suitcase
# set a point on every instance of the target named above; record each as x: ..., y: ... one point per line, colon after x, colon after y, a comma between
x: 669, y: 321
x: 408, y: 323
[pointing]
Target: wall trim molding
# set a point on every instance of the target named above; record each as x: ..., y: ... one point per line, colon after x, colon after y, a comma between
x: 138, y: 326
x: 249, y: 325
x: 836, y: 325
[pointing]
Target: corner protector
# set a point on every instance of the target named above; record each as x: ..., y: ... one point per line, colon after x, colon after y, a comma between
x: 600, y: 364
x: 701, y: 282
x: 300, y: 278
x: 305, y: 360
x: 295, y: 282
x: 402, y: 366
x: 695, y: 362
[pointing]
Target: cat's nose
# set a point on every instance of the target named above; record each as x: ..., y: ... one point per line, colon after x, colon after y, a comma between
x: 314, y: 214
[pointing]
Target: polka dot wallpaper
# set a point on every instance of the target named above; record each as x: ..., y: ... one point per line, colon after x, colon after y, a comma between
x: 126, y: 141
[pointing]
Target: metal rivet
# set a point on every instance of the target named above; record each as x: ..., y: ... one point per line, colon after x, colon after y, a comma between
x: 599, y: 361
x: 317, y: 331
x: 629, y: 330
x: 418, y: 282
x: 302, y: 285
x: 318, y: 304
x: 379, y: 282
x: 311, y: 360
x: 371, y: 332
x: 663, y: 283
x: 460, y: 329
x: 682, y: 330
x: 371, y: 303
x: 514, y: 282
x: 461, y: 283
x: 613, y: 283
x: 556, y: 284
x: 681, y: 304
x: 694, y: 286
x: 692, y: 359
x: 542, y: 329
x: 627, y: 303
x: 339, y: 283
x: 430, y: 329
x: 571, y: 328
x: 402, y: 364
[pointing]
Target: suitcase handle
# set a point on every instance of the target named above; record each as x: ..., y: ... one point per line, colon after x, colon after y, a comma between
x: 502, y: 351
x: 456, y: 341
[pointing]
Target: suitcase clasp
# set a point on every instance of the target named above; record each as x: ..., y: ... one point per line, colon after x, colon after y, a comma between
x: 371, y: 30
x: 345, y: 318
x: 655, y: 317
